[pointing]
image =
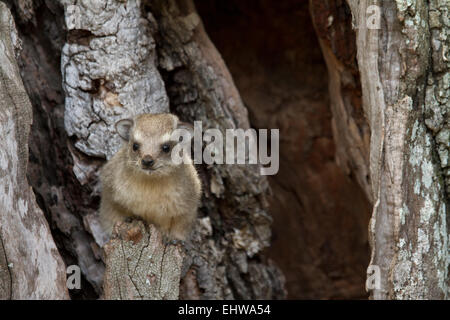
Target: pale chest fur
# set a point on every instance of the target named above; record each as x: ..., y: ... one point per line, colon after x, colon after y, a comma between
x: 156, y: 201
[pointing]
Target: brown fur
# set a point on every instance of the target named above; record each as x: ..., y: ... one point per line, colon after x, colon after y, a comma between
x: 167, y: 197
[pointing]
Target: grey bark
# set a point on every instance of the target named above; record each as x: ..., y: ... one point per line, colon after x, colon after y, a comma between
x: 109, y: 73
x: 404, y: 68
x: 30, y: 264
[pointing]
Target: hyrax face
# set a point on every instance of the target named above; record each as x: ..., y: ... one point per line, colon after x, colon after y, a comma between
x: 149, y: 144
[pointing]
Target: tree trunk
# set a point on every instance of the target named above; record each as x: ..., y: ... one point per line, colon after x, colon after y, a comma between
x: 30, y: 265
x: 404, y: 74
x: 378, y: 138
x: 406, y: 96
x: 145, y: 56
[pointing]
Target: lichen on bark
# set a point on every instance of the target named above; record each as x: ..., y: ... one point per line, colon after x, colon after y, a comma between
x: 409, y: 228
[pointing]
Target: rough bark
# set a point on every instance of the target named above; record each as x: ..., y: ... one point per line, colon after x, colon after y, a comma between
x: 109, y: 73
x: 69, y: 206
x: 404, y: 72
x: 30, y: 264
x: 139, y: 266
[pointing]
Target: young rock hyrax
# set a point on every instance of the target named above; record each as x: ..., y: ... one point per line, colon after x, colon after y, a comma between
x: 142, y: 180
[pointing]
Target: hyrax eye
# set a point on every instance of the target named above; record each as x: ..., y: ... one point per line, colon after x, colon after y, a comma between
x: 165, y: 147
x: 135, y: 146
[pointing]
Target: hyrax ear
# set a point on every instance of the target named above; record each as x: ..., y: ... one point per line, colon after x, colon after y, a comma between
x: 123, y: 128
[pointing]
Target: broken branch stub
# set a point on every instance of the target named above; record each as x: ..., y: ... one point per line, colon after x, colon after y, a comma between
x: 139, y: 266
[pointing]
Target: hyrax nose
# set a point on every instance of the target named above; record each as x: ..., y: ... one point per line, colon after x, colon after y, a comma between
x: 147, y: 161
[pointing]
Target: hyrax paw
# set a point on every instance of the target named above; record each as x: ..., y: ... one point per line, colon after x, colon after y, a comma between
x: 173, y: 242
x: 178, y: 242
x: 128, y: 219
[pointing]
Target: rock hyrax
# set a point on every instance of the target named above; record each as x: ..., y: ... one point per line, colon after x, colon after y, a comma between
x: 142, y: 180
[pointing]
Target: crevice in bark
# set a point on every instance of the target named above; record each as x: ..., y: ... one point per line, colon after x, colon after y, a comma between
x: 6, y: 276
x: 320, y: 213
